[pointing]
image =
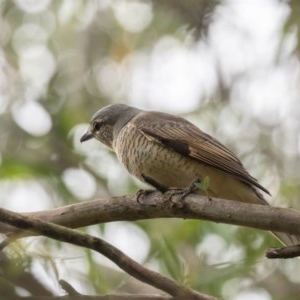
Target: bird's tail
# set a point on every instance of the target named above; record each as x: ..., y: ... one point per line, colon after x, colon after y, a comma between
x: 286, y: 238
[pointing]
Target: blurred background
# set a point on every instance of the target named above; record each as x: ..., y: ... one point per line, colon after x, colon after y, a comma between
x: 231, y: 67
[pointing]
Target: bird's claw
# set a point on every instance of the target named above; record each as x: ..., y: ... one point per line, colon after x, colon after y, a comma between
x: 141, y: 194
x: 177, y: 195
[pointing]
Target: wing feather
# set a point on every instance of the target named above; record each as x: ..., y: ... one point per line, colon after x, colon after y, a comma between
x: 185, y: 138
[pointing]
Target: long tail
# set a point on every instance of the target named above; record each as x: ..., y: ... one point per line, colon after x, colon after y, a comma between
x: 287, y: 239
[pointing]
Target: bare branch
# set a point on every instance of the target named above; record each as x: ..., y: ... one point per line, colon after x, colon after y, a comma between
x: 283, y: 252
x: 131, y: 267
x: 157, y: 205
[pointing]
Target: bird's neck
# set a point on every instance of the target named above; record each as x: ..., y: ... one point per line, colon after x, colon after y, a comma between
x: 124, y: 119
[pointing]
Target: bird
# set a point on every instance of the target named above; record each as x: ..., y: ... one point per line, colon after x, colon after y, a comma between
x: 169, y: 152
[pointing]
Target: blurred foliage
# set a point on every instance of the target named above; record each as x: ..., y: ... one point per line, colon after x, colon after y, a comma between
x: 60, y: 61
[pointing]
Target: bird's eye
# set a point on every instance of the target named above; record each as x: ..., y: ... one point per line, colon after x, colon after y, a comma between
x: 96, y: 126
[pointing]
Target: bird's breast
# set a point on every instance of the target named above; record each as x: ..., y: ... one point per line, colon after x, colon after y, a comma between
x: 144, y: 157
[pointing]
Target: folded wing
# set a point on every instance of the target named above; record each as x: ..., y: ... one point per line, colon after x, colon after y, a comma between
x: 188, y: 140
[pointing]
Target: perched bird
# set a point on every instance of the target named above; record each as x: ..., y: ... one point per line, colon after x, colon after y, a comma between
x: 167, y: 151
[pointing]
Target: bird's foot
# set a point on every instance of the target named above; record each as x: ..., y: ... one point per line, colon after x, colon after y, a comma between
x: 177, y: 195
x: 141, y: 194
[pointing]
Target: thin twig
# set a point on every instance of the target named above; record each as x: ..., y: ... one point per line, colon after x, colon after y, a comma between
x: 283, y: 252
x: 68, y: 288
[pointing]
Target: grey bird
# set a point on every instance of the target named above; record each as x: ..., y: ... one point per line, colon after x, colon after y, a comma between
x: 167, y: 151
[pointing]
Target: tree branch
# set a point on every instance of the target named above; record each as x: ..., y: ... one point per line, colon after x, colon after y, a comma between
x: 157, y: 205
x: 154, y: 205
x: 131, y: 267
x: 284, y: 252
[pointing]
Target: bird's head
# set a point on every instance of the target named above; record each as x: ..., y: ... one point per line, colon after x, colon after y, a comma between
x: 107, y: 122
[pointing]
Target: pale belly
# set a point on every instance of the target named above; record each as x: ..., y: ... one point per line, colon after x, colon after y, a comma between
x: 170, y: 169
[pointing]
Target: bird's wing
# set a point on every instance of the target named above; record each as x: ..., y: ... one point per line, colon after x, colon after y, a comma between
x: 185, y: 138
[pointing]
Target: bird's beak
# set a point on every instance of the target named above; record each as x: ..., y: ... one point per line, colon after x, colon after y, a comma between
x: 86, y: 136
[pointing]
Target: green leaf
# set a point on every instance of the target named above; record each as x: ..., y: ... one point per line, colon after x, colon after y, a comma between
x: 204, y: 184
